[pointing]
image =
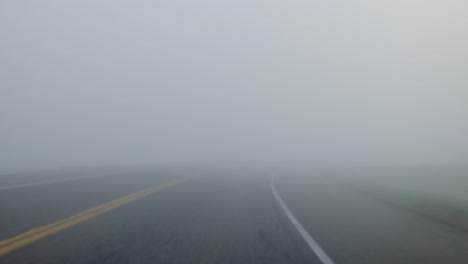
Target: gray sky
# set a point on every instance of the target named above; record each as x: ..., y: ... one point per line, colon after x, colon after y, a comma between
x: 336, y: 82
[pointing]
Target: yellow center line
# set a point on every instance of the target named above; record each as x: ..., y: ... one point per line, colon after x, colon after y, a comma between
x: 35, y: 234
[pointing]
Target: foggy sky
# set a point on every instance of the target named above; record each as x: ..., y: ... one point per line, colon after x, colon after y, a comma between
x: 331, y: 82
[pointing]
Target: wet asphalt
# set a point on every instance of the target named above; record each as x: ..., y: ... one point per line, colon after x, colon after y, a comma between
x: 219, y: 217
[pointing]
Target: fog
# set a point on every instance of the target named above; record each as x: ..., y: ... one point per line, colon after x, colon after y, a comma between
x: 337, y: 83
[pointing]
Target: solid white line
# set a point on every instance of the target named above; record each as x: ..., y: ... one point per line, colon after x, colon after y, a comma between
x: 305, y: 235
x: 51, y: 181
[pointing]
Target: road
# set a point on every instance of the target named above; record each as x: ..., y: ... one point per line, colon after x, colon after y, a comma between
x: 150, y: 216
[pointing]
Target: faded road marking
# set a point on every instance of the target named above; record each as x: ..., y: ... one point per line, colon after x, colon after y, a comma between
x: 38, y: 233
x: 51, y: 181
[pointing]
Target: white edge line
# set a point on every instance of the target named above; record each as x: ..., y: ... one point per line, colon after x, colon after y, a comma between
x: 51, y: 181
x: 305, y: 235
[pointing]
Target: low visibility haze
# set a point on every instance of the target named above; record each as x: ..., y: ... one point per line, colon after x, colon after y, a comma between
x: 337, y: 82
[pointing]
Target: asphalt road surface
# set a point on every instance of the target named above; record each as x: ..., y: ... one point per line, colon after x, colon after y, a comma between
x: 147, y: 216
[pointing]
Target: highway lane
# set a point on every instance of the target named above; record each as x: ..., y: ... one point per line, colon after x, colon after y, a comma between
x: 220, y: 217
x: 209, y: 219
x: 354, y: 228
x: 32, y: 206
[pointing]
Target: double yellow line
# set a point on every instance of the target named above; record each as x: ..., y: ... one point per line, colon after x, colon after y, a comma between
x: 35, y: 234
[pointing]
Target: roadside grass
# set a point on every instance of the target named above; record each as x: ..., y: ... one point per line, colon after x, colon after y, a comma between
x: 438, y: 192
